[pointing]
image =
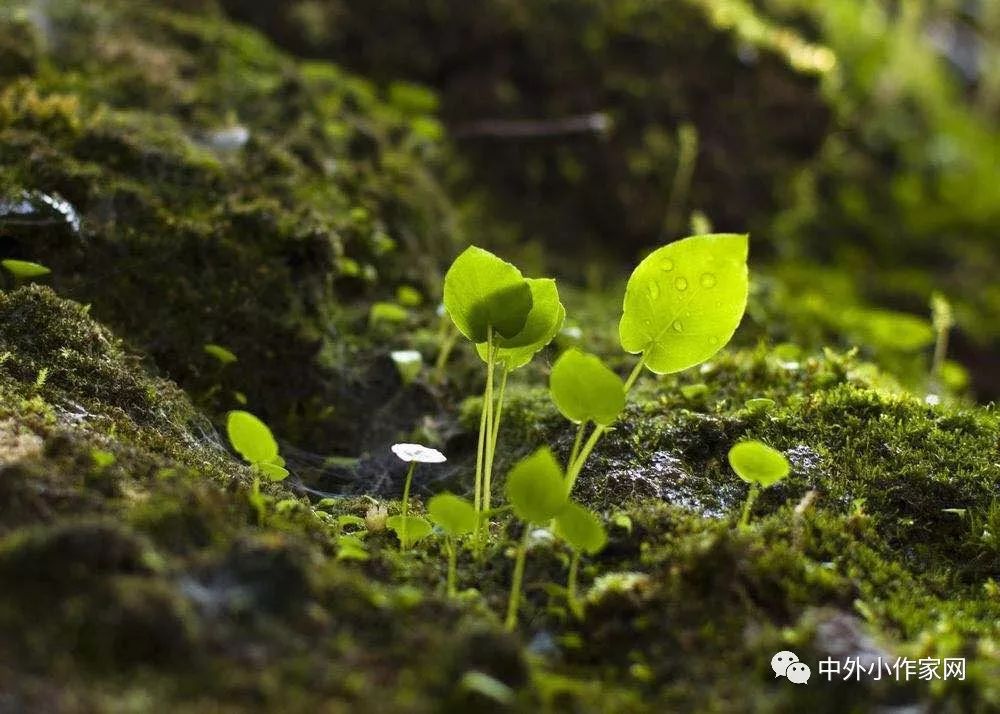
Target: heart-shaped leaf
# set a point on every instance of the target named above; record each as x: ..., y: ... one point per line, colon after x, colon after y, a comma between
x: 581, y: 528
x: 536, y: 488
x: 544, y: 321
x: 685, y: 300
x: 755, y: 462
x: 584, y: 389
x: 455, y: 515
x: 482, y: 291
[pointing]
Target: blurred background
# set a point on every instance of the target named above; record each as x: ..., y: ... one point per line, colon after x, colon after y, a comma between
x: 197, y: 183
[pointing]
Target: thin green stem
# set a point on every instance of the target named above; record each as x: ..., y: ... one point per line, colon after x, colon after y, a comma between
x: 636, y: 371
x: 452, y: 565
x: 515, y: 586
x: 748, y: 506
x: 494, y: 436
x: 576, y: 445
x: 406, y: 502
x: 574, y: 603
x: 448, y: 338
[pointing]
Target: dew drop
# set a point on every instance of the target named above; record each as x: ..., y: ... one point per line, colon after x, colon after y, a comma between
x: 667, y: 265
x: 653, y: 290
x: 681, y: 283
x: 708, y: 280
x: 713, y: 340
x: 678, y: 327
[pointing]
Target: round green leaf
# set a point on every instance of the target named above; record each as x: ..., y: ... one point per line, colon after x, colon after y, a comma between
x: 251, y: 438
x: 536, y: 488
x: 544, y: 321
x: 455, y: 515
x: 755, y: 462
x: 685, y: 300
x: 581, y: 528
x: 24, y: 269
x: 583, y: 389
x: 483, y: 291
x: 414, y: 528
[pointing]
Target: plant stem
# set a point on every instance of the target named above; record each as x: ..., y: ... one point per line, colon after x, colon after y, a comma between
x: 748, y: 506
x: 576, y: 445
x: 448, y: 338
x: 494, y: 435
x: 515, y: 586
x: 406, y: 502
x: 452, y: 565
x: 485, y: 438
x: 574, y: 604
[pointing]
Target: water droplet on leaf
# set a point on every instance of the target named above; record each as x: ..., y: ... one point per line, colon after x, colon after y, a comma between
x: 667, y: 265
x: 653, y: 290
x: 678, y: 327
x: 681, y: 283
x: 708, y: 280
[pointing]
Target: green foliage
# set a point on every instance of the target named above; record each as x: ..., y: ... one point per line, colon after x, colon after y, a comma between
x: 455, y: 515
x: 758, y: 463
x: 102, y: 458
x: 581, y: 528
x: 481, y: 292
x: 350, y: 547
x: 253, y: 440
x: 220, y: 353
x: 409, y: 529
x: 387, y: 312
x: 409, y: 296
x: 685, y: 300
x: 584, y: 389
x: 543, y: 322
x: 536, y: 488
x: 24, y: 269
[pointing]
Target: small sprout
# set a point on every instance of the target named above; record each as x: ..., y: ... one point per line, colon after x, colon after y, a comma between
x: 760, y: 466
x: 760, y: 404
x: 387, y: 312
x: 408, y: 364
x: 24, y: 270
x: 348, y: 267
x: 375, y: 517
x: 585, y: 533
x: 456, y: 517
x: 408, y: 528
x: 486, y: 686
x: 537, y: 493
x: 240, y: 398
x: 220, y: 353
x: 583, y: 389
x: 408, y: 296
x: 252, y: 440
x: 102, y: 459
x: 351, y: 547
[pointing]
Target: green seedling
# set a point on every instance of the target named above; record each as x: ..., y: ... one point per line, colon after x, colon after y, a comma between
x: 682, y: 304
x: 409, y: 296
x: 24, y: 270
x: 220, y: 353
x: 585, y: 390
x: 456, y: 517
x: 694, y: 392
x: 387, y: 313
x: 409, y: 529
x: 760, y: 404
x: 943, y: 319
x: 408, y: 364
x: 253, y: 441
x: 760, y: 466
x: 585, y: 533
x: 509, y: 319
x: 536, y: 491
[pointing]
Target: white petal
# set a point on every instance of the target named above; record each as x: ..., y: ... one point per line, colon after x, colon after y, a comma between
x: 418, y: 452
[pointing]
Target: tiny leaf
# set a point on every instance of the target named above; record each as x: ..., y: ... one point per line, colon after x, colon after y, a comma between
x: 251, y: 438
x: 685, y: 300
x: 755, y: 462
x: 581, y: 528
x: 272, y: 470
x: 414, y: 528
x: 455, y: 515
x: 536, y: 488
x: 24, y: 269
x: 583, y: 389
x: 544, y: 321
x: 483, y: 291
x: 220, y: 353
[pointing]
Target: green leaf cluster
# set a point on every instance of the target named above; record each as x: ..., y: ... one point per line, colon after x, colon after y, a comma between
x: 253, y: 440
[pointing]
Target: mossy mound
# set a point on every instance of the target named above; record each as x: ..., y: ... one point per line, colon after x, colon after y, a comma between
x: 215, y: 191
x: 162, y: 577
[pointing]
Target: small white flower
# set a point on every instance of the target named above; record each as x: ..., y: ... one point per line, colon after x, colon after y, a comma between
x: 405, y: 356
x: 418, y: 452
